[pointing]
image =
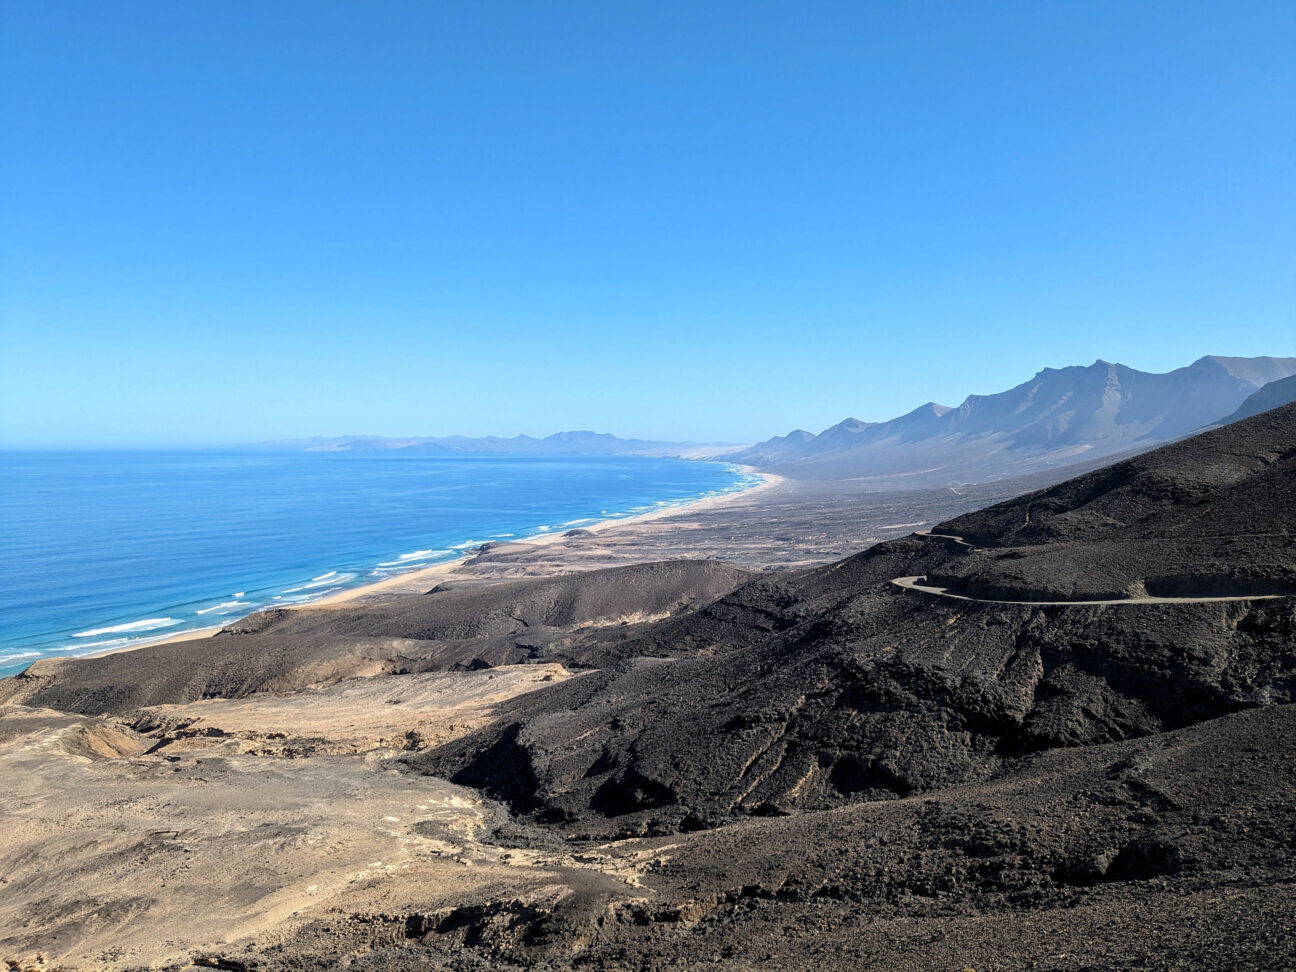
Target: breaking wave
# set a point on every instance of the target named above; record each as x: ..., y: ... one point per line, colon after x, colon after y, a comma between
x: 148, y: 624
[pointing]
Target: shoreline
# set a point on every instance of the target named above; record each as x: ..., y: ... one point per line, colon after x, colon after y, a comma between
x: 418, y: 576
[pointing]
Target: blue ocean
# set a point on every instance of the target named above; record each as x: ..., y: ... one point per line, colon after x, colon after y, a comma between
x: 100, y: 550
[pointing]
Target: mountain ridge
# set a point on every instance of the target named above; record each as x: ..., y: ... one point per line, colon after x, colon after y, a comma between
x: 1058, y: 416
x: 1275, y: 394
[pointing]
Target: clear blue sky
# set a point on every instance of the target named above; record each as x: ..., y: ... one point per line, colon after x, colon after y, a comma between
x: 227, y: 221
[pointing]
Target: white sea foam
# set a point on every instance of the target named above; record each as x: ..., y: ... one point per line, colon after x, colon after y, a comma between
x: 332, y: 577
x: 239, y: 593
x: 303, y: 598
x: 227, y: 604
x: 93, y: 644
x: 15, y: 657
x: 148, y: 624
x: 408, y: 559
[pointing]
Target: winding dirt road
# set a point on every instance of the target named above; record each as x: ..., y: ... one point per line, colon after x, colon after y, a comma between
x: 912, y: 584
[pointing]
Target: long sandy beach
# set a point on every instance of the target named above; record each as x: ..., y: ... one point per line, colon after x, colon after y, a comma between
x: 418, y: 580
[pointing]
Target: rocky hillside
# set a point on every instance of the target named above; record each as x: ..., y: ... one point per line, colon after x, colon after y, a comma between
x: 835, y: 686
x: 588, y: 615
x: 1213, y: 515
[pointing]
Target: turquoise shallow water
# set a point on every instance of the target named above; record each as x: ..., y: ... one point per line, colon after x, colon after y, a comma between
x: 99, y: 550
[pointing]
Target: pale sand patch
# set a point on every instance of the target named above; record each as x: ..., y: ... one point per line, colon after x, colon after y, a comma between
x: 119, y: 853
x: 356, y: 715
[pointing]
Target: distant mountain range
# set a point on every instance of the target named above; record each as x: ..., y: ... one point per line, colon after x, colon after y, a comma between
x: 580, y: 443
x: 1061, y: 416
x: 1273, y: 395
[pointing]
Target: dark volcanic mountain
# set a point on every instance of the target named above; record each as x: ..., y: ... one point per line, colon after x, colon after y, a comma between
x: 1054, y: 733
x: 1058, y: 417
x: 835, y: 685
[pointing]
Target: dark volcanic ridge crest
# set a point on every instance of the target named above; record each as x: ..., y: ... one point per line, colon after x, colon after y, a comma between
x: 829, y: 687
x: 580, y: 619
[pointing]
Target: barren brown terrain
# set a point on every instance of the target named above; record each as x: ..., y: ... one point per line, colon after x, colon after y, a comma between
x: 724, y: 738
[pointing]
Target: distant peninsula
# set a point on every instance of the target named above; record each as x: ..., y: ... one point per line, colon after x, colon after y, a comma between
x: 578, y: 443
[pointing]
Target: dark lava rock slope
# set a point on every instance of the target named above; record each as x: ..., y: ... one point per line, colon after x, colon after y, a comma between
x: 1172, y: 851
x: 577, y: 619
x: 1212, y: 515
x: 834, y: 687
